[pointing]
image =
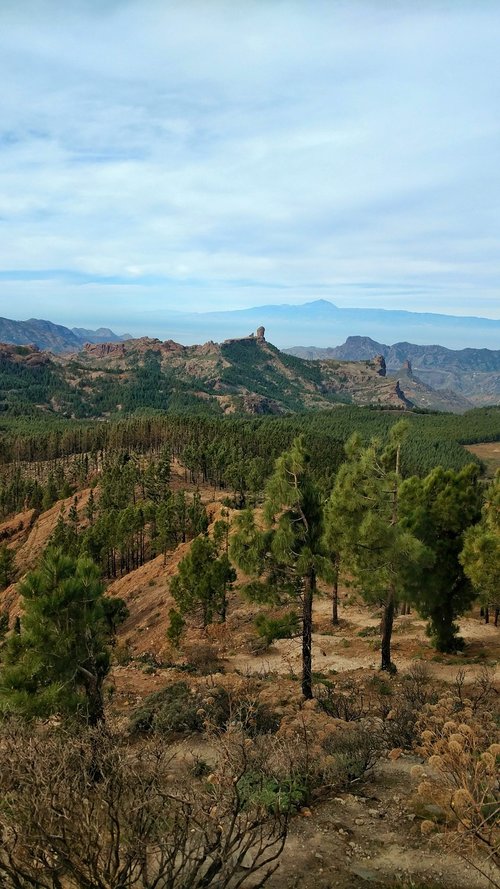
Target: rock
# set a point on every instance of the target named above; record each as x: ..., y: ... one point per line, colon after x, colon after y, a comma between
x: 102, y: 350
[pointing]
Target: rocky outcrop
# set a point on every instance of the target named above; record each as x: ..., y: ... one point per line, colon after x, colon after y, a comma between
x: 104, y: 350
x: 379, y: 363
x: 401, y: 396
x: 259, y: 405
x: 29, y: 355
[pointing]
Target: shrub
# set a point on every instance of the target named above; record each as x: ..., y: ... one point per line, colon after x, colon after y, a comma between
x: 203, y: 658
x: 343, y: 699
x: 173, y: 709
x: 354, y: 751
x: 256, y: 718
x: 176, y: 627
x: 272, y: 794
x: 141, y: 823
x: 459, y: 739
x: 271, y: 628
x: 414, y: 693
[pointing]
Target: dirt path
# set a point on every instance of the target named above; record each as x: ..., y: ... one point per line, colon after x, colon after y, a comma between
x: 369, y: 838
x: 340, y: 649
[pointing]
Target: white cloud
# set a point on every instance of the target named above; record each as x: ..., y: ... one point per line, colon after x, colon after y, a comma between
x: 305, y: 147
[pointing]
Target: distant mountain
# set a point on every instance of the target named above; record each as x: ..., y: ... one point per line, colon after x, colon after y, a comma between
x: 101, y: 335
x: 52, y: 337
x: 247, y: 375
x: 472, y: 374
x: 323, y: 323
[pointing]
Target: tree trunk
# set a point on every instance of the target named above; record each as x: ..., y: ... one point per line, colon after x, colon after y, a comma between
x: 487, y: 615
x: 335, y: 602
x: 386, y: 633
x: 95, y: 701
x: 497, y: 613
x: 309, y: 587
x: 335, y: 592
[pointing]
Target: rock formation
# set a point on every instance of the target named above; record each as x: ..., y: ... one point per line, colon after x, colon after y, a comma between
x: 102, y: 350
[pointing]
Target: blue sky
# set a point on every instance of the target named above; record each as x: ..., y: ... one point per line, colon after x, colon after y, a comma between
x: 196, y: 156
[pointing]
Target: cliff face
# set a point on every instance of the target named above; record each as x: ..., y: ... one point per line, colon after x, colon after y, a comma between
x: 104, y: 350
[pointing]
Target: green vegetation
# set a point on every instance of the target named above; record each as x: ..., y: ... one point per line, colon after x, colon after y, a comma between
x: 6, y: 566
x: 438, y: 510
x: 289, y: 555
x: 480, y: 556
x: 203, y: 581
x: 59, y: 660
x: 385, y: 560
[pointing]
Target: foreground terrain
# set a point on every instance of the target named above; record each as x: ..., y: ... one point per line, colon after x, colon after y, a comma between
x: 365, y: 832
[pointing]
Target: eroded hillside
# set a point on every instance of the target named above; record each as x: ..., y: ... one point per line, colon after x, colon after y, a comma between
x: 246, y: 375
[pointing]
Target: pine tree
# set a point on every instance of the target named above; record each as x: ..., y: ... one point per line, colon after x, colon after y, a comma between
x: 480, y: 556
x: 288, y: 555
x: 6, y: 566
x: 384, y: 559
x: 202, y: 581
x: 438, y: 509
x: 90, y: 509
x: 59, y: 660
x: 50, y: 494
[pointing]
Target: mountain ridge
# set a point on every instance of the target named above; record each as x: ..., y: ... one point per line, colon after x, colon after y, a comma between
x: 47, y: 335
x: 240, y: 374
x: 473, y: 374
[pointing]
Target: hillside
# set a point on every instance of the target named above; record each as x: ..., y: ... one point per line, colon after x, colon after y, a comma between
x: 246, y: 375
x: 473, y: 374
x: 52, y: 337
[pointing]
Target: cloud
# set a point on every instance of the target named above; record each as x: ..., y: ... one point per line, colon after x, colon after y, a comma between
x: 223, y: 154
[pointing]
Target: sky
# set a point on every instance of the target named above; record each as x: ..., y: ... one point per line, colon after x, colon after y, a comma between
x: 196, y: 156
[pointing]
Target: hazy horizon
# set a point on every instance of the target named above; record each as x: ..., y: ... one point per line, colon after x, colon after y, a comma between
x: 317, y: 323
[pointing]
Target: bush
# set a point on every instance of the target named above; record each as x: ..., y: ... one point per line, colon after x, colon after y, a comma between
x: 257, y: 719
x: 173, y: 709
x: 272, y: 628
x: 401, y: 717
x: 143, y: 822
x: 176, y: 627
x: 272, y: 794
x: 178, y: 710
x: 355, y: 751
x: 342, y: 700
x: 459, y: 739
x: 203, y: 658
